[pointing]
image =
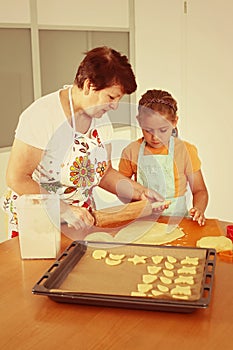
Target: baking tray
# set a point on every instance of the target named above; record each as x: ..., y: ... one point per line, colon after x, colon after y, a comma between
x: 77, y: 277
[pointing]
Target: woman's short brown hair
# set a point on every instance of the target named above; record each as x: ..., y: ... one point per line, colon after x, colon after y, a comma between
x: 105, y: 67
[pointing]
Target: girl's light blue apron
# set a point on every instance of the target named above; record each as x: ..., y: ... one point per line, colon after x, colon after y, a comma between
x: 157, y: 172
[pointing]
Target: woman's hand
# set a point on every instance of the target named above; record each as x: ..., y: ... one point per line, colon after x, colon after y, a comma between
x: 197, y: 215
x: 78, y: 217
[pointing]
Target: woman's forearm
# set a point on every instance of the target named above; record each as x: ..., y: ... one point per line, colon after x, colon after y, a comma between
x: 125, y: 188
x: 22, y: 162
x: 24, y: 185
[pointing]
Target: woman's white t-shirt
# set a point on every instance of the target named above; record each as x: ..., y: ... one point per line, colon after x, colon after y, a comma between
x: 44, y: 125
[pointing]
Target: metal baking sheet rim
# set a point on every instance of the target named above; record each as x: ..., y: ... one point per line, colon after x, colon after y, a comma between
x: 129, y: 302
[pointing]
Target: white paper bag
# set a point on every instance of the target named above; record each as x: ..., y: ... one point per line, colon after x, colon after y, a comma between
x: 39, y: 225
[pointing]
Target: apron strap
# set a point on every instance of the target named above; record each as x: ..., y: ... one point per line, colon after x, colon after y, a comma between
x: 141, y: 151
x: 72, y: 109
x: 170, y: 148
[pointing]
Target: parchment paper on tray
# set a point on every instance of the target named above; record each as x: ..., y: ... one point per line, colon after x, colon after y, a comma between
x: 128, y: 277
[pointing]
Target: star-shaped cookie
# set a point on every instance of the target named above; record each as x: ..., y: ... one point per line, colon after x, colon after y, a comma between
x: 138, y: 259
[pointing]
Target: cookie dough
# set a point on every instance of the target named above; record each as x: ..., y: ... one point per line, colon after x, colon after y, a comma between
x: 144, y: 287
x: 219, y: 243
x: 165, y: 280
x: 99, y: 254
x: 157, y: 259
x: 169, y: 266
x: 149, y: 278
x: 184, y: 279
x: 112, y: 262
x: 148, y: 232
x: 141, y: 232
x: 153, y: 269
x: 116, y: 256
x: 181, y: 290
x: 138, y: 259
x: 168, y: 273
x: 185, y: 269
x: 188, y: 260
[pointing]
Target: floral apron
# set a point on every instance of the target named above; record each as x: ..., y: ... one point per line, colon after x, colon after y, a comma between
x: 82, y: 169
x: 156, y: 171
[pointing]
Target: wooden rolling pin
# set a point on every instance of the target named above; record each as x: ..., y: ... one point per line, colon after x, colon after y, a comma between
x: 125, y: 212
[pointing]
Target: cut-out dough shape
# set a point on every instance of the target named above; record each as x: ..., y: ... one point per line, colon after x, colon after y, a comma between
x: 156, y: 293
x: 169, y: 266
x: 171, y: 259
x: 143, y: 287
x: 165, y: 280
x: 138, y: 259
x: 112, y: 262
x: 138, y: 294
x: 181, y: 290
x: 168, y: 273
x: 157, y: 259
x: 184, y: 279
x: 116, y: 256
x: 162, y: 288
x: 99, y: 254
x: 153, y: 269
x: 149, y: 278
x: 188, y: 260
x: 187, y: 269
x: 184, y: 297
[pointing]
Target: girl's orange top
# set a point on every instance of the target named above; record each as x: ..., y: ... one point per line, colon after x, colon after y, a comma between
x: 186, y: 161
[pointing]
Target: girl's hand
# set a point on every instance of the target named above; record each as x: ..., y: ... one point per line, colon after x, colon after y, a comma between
x: 197, y: 215
x: 153, y: 196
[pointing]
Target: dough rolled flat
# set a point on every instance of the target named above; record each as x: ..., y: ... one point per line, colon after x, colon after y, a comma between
x: 220, y: 243
x: 99, y: 237
x: 141, y: 232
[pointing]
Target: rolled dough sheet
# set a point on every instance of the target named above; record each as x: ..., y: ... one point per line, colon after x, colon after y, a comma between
x: 100, y: 237
x: 221, y: 243
x: 147, y: 232
x: 141, y: 232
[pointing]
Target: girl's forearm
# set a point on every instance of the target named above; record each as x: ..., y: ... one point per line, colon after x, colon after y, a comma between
x: 200, y: 200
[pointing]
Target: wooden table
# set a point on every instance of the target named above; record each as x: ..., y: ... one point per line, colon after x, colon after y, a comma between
x: 31, y: 322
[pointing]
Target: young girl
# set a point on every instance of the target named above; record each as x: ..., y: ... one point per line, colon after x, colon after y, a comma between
x: 163, y: 162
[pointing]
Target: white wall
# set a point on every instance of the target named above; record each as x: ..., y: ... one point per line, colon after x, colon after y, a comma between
x: 191, y: 56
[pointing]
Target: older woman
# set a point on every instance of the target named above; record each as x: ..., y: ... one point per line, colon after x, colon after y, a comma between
x: 63, y: 141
